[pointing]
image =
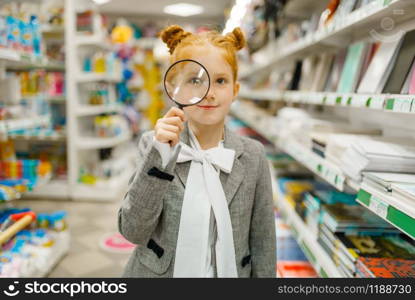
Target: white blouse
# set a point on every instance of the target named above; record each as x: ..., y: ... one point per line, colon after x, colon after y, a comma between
x: 166, y: 153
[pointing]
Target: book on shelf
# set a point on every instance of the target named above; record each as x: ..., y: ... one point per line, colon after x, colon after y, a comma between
x: 372, y: 48
x: 409, y: 85
x: 296, y: 77
x: 322, y: 72
x: 378, y: 154
x: 405, y: 190
x: 308, y: 70
x: 341, y: 217
x: 411, y: 89
x: 335, y: 71
x: 386, y: 180
x: 328, y: 14
x: 346, y: 248
x: 402, y: 65
x: 375, y: 77
x: 296, y: 269
x: 344, y: 9
x: 385, y: 268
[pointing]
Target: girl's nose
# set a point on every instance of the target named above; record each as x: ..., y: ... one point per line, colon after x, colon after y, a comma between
x: 210, y: 95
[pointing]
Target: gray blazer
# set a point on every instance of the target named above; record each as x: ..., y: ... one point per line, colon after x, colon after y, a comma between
x: 149, y: 215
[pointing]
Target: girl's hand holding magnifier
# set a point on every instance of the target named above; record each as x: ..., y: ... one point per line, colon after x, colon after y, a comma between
x: 186, y: 83
x: 169, y: 127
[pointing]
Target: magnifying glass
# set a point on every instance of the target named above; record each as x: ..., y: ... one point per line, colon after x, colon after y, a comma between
x: 186, y: 82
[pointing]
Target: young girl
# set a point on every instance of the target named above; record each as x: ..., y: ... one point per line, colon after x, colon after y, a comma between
x: 200, y: 202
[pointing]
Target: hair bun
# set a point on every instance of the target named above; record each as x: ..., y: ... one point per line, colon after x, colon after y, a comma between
x: 237, y: 38
x: 172, y: 36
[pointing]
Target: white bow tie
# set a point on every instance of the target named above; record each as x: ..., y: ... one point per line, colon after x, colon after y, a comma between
x: 204, y: 191
x: 219, y: 157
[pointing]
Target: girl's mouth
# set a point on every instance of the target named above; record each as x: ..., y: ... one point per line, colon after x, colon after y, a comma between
x: 207, y: 107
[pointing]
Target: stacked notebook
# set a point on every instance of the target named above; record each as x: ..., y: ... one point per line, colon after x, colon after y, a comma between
x: 351, y: 251
x: 385, y: 268
x: 340, y: 217
x: 396, y: 189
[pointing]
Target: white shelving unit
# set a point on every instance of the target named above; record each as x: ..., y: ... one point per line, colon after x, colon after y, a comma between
x: 85, y: 143
x: 96, y: 40
x: 80, y: 144
x: 357, y: 25
x: 54, y: 189
x: 90, y: 110
x: 307, y: 240
x: 393, y: 114
x: 104, y: 190
x: 384, y: 102
x: 93, y: 77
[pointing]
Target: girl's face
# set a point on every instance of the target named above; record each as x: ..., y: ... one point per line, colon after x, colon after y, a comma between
x: 223, y: 90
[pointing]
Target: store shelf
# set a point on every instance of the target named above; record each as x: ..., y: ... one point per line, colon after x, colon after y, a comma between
x: 91, y: 77
x: 104, y: 190
x: 42, y: 265
x: 384, y: 102
x: 47, y: 137
x: 357, y: 25
x: 90, y: 110
x: 307, y: 240
x: 57, y: 99
x: 100, y: 143
x: 388, y: 208
x: 146, y: 42
x: 303, y: 8
x: 9, y: 55
x: 256, y: 118
x: 263, y: 94
x: 16, y: 60
x: 316, y: 164
x: 55, y: 189
x: 52, y: 29
x: 26, y: 123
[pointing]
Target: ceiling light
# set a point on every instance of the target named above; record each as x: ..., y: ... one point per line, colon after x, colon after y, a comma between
x: 183, y: 9
x: 237, y: 14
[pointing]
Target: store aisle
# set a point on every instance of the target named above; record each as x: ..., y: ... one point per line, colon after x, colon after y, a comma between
x: 89, y: 224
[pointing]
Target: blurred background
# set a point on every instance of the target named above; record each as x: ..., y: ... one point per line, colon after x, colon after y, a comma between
x: 326, y: 85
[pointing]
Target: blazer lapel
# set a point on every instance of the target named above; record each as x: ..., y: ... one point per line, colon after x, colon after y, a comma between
x: 182, y: 169
x: 231, y: 181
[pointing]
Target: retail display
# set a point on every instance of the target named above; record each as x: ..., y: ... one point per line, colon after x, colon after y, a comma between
x: 335, y: 94
x: 327, y: 87
x: 31, y: 243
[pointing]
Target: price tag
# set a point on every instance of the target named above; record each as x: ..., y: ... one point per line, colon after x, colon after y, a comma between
x: 377, y: 102
x: 403, y: 105
x: 360, y: 100
x: 331, y: 99
x: 378, y: 206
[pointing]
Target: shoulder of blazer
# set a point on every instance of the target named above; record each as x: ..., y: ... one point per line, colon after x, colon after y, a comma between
x: 252, y: 147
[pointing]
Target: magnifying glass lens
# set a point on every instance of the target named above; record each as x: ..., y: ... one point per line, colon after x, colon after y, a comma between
x: 187, y: 82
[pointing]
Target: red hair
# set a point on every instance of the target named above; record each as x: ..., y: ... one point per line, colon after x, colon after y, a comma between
x: 177, y: 40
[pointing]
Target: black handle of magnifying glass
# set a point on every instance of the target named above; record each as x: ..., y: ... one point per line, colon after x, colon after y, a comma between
x: 180, y: 106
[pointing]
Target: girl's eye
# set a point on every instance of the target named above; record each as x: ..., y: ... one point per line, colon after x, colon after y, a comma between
x: 221, y: 80
x: 195, y: 81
